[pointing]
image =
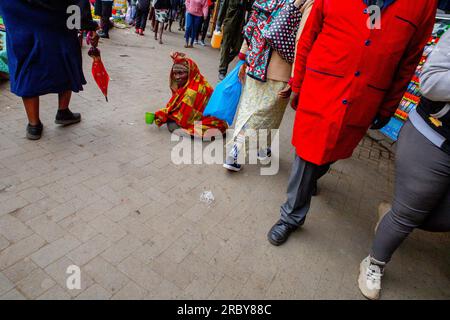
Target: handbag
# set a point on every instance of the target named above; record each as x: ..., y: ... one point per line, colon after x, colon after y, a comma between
x: 281, y: 33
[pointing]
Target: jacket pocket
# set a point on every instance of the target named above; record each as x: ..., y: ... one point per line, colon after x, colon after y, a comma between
x: 325, y: 73
x: 365, y: 107
x: 391, y: 43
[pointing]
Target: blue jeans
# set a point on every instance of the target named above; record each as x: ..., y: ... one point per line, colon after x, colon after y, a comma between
x: 192, y: 26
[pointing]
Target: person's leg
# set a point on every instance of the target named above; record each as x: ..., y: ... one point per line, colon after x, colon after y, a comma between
x: 303, y: 176
x: 422, y: 183
x: 98, y: 8
x: 133, y: 15
x: 106, y: 14
x: 172, y: 17
x: 197, y: 22
x: 183, y: 20
x: 205, y: 27
x: 235, y: 46
x: 299, y: 194
x: 104, y: 33
x: 153, y: 18
x: 64, y: 100
x: 144, y: 20
x: 64, y: 116
x: 421, y: 200
x: 189, y: 25
x: 138, y: 19
x: 161, y: 33
x: 156, y: 29
x: 199, y: 30
x: 225, y: 51
x: 32, y: 109
x: 34, y: 127
x: 439, y: 220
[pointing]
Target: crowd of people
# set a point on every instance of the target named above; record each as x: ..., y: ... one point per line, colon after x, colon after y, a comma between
x: 342, y: 74
x: 193, y: 15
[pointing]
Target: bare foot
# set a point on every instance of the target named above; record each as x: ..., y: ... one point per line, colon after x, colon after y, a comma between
x: 160, y: 41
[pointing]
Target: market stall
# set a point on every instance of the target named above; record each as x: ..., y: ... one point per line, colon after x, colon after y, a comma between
x: 119, y: 12
x: 412, y: 96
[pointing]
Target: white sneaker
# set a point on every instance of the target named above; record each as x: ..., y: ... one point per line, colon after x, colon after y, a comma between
x: 196, y: 42
x: 231, y: 165
x: 369, y: 280
x: 264, y: 155
x: 202, y: 43
x: 383, y: 209
x: 231, y: 162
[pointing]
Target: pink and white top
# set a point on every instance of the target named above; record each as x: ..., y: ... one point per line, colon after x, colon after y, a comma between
x: 197, y: 7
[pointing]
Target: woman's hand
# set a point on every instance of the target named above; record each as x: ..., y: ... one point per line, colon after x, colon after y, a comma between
x: 294, y: 101
x: 242, y: 73
x: 286, y: 92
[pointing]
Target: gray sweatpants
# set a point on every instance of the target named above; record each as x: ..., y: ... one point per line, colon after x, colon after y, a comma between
x: 303, y: 177
x: 422, y: 193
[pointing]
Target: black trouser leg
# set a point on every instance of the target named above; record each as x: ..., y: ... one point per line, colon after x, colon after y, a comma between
x: 206, y: 26
x: 303, y: 177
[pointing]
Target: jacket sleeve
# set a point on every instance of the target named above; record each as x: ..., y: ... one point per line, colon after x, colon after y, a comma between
x: 435, y: 77
x: 409, y: 62
x: 309, y: 35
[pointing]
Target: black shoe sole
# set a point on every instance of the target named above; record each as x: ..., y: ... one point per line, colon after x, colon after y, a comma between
x: 33, y: 137
x: 67, y: 122
x: 279, y: 243
x: 231, y: 168
x: 275, y: 243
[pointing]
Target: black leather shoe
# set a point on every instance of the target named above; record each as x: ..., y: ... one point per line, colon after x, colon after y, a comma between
x: 279, y: 233
x: 66, y: 117
x: 34, y: 132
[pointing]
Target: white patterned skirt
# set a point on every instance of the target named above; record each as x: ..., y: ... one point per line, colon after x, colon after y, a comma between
x: 260, y: 106
x: 162, y: 15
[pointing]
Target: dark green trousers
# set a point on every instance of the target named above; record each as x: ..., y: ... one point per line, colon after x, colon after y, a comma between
x: 231, y: 45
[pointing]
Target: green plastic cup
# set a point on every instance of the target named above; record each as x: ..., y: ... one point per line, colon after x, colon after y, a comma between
x: 149, y: 117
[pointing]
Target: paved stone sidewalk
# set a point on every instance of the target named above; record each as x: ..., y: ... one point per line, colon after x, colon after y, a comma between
x: 105, y: 196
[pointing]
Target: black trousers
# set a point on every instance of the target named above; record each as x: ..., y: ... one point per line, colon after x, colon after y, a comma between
x: 304, y: 176
x: 141, y: 18
x: 231, y: 44
x: 106, y: 8
x: 203, y: 29
x: 182, y: 15
x: 98, y: 8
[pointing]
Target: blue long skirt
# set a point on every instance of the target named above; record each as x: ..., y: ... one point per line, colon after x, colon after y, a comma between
x: 44, y: 56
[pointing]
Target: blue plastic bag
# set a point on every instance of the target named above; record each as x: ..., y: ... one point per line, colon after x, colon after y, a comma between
x: 225, y: 98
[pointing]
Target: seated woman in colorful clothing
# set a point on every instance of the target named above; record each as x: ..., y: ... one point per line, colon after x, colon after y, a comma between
x: 190, y: 95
